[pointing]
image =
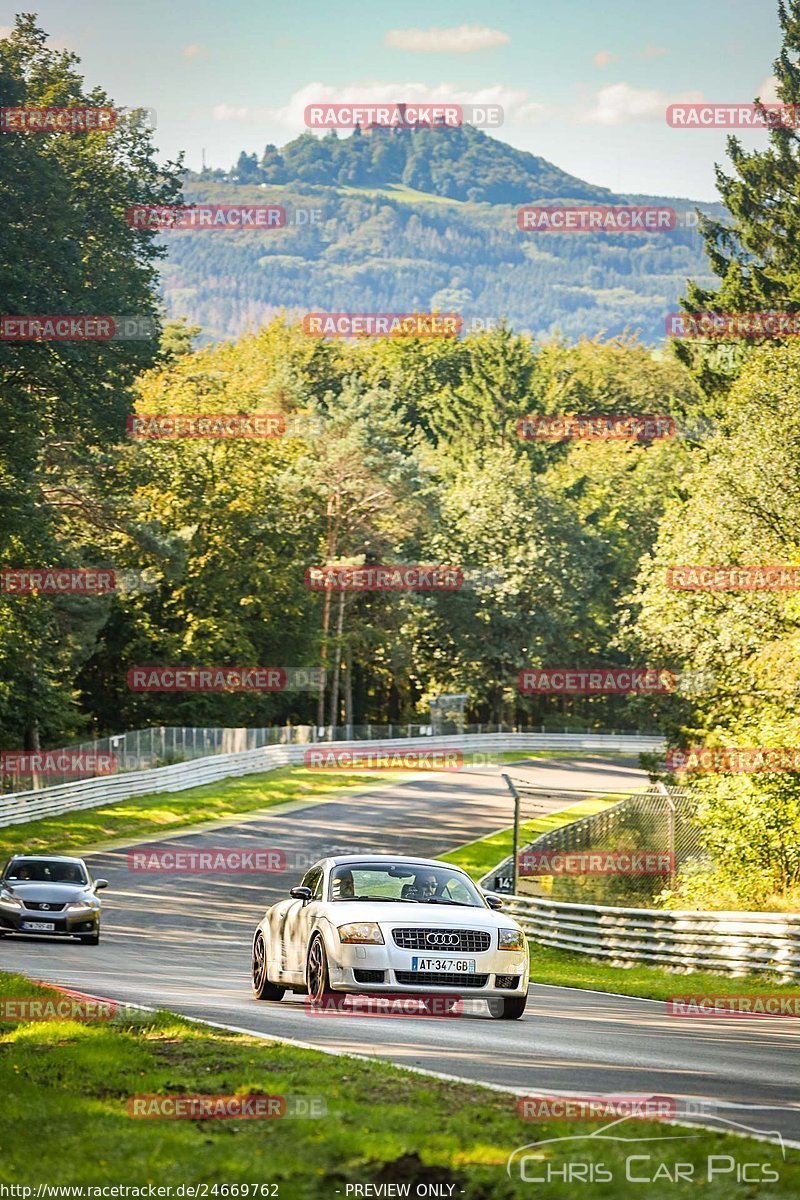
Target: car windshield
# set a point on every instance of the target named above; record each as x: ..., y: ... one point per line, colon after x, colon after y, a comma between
x: 43, y: 870
x: 416, y: 883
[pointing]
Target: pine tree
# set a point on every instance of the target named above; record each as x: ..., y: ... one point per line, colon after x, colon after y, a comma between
x: 756, y: 252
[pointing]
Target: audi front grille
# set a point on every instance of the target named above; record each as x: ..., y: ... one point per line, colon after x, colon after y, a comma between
x: 465, y: 941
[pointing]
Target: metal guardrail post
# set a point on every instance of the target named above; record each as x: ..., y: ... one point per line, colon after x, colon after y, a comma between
x: 515, y: 844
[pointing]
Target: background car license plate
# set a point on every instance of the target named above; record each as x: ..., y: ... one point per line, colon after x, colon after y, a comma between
x: 38, y: 925
x: 461, y: 966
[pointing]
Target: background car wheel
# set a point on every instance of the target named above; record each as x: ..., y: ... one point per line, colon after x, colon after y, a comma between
x: 317, y: 977
x: 507, y: 1008
x: 89, y: 939
x: 262, y: 988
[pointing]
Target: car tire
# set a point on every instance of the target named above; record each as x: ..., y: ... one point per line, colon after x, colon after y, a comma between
x: 262, y: 988
x: 317, y: 977
x: 89, y: 939
x: 507, y: 1008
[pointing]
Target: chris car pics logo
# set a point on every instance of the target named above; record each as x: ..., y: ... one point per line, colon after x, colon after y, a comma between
x: 588, y: 1158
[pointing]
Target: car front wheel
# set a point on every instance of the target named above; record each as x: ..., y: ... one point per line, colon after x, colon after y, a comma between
x: 262, y: 988
x: 507, y: 1008
x: 317, y: 976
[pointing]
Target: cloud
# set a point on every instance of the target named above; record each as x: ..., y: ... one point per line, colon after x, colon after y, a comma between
x: 651, y: 51
x: 517, y: 104
x: 459, y: 39
x: 228, y: 112
x: 194, y: 50
x: 621, y: 104
x: 603, y: 58
x: 768, y: 92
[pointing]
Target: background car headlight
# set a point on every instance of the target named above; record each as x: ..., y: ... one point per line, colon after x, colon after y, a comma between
x: 361, y: 931
x: 510, y: 939
x: 9, y: 901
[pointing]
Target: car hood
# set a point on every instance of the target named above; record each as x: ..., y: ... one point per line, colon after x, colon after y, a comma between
x: 345, y: 911
x: 47, y: 893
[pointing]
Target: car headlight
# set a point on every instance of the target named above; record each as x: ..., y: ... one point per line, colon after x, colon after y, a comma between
x: 9, y: 901
x: 79, y: 906
x: 510, y: 939
x: 361, y: 931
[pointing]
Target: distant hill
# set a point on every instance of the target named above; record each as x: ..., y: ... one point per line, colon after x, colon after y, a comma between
x: 421, y: 220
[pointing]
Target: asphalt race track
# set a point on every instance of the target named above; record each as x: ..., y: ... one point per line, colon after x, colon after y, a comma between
x: 183, y: 942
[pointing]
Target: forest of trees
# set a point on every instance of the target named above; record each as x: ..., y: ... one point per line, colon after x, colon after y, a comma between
x: 402, y: 450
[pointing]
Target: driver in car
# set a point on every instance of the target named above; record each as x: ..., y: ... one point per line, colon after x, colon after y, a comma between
x: 343, y: 886
x: 426, y: 885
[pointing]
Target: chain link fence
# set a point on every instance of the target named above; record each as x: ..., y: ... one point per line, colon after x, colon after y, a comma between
x: 626, y: 853
x: 163, y: 745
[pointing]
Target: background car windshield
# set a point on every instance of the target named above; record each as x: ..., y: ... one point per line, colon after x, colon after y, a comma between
x: 42, y: 870
x: 403, y: 881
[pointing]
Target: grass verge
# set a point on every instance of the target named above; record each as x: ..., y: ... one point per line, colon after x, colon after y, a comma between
x: 477, y: 858
x: 65, y: 1121
x: 166, y: 812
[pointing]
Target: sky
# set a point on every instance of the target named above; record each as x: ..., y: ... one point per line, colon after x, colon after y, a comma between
x: 583, y: 83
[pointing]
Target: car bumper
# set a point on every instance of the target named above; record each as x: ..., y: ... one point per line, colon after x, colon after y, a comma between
x: 496, y: 973
x: 65, y: 924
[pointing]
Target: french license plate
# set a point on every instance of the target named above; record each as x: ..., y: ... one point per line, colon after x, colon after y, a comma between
x: 40, y: 925
x: 458, y: 966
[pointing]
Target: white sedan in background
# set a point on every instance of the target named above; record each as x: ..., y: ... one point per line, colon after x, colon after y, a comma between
x: 387, y: 925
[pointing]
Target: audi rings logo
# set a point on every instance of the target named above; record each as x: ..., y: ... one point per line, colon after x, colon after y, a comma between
x: 443, y: 939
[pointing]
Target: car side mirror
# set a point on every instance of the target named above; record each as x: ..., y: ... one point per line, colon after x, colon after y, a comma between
x: 100, y: 883
x: 301, y: 893
x: 494, y: 902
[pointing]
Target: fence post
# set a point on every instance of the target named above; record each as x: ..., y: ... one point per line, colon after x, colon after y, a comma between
x: 515, y: 843
x: 670, y: 830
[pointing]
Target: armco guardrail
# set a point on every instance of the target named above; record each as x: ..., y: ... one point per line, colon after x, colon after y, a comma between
x: 730, y: 942
x: 19, y: 807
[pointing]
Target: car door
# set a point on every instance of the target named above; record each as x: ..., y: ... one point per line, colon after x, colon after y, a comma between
x: 297, y: 926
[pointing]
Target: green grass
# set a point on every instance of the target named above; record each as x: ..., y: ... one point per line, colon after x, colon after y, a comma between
x: 565, y: 969
x: 65, y: 1119
x: 149, y: 816
x: 477, y: 858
